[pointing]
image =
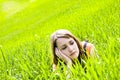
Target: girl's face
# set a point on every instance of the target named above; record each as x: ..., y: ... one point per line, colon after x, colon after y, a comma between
x: 68, y: 47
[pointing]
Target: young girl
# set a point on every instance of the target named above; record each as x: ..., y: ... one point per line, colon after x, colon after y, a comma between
x: 66, y: 47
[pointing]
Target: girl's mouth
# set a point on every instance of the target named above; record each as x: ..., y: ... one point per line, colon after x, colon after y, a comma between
x: 72, y: 53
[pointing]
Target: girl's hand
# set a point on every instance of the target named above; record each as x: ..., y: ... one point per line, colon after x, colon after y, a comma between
x: 65, y: 58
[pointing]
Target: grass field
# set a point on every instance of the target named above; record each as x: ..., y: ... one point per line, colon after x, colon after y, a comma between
x: 26, y: 26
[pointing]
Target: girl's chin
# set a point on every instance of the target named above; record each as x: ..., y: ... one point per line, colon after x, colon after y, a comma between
x: 74, y: 57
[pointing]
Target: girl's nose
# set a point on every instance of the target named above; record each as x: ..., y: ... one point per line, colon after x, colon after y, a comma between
x: 70, y: 48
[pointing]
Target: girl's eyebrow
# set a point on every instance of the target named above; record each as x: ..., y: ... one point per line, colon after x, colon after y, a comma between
x: 65, y: 44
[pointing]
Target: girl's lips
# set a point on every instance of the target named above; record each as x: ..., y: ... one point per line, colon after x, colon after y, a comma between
x: 72, y: 53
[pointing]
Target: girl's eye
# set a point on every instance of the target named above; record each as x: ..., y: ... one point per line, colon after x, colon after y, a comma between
x: 71, y: 42
x: 64, y: 47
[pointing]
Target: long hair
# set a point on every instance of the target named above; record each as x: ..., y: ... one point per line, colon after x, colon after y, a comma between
x: 63, y: 33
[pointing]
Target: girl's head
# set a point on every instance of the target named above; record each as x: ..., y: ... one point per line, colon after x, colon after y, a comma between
x: 66, y: 42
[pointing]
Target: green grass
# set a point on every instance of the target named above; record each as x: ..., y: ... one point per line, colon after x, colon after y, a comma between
x: 25, y: 29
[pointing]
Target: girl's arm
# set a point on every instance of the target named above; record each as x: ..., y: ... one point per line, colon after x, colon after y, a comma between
x: 63, y: 57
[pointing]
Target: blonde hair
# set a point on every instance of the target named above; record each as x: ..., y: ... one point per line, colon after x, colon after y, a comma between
x: 62, y: 33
